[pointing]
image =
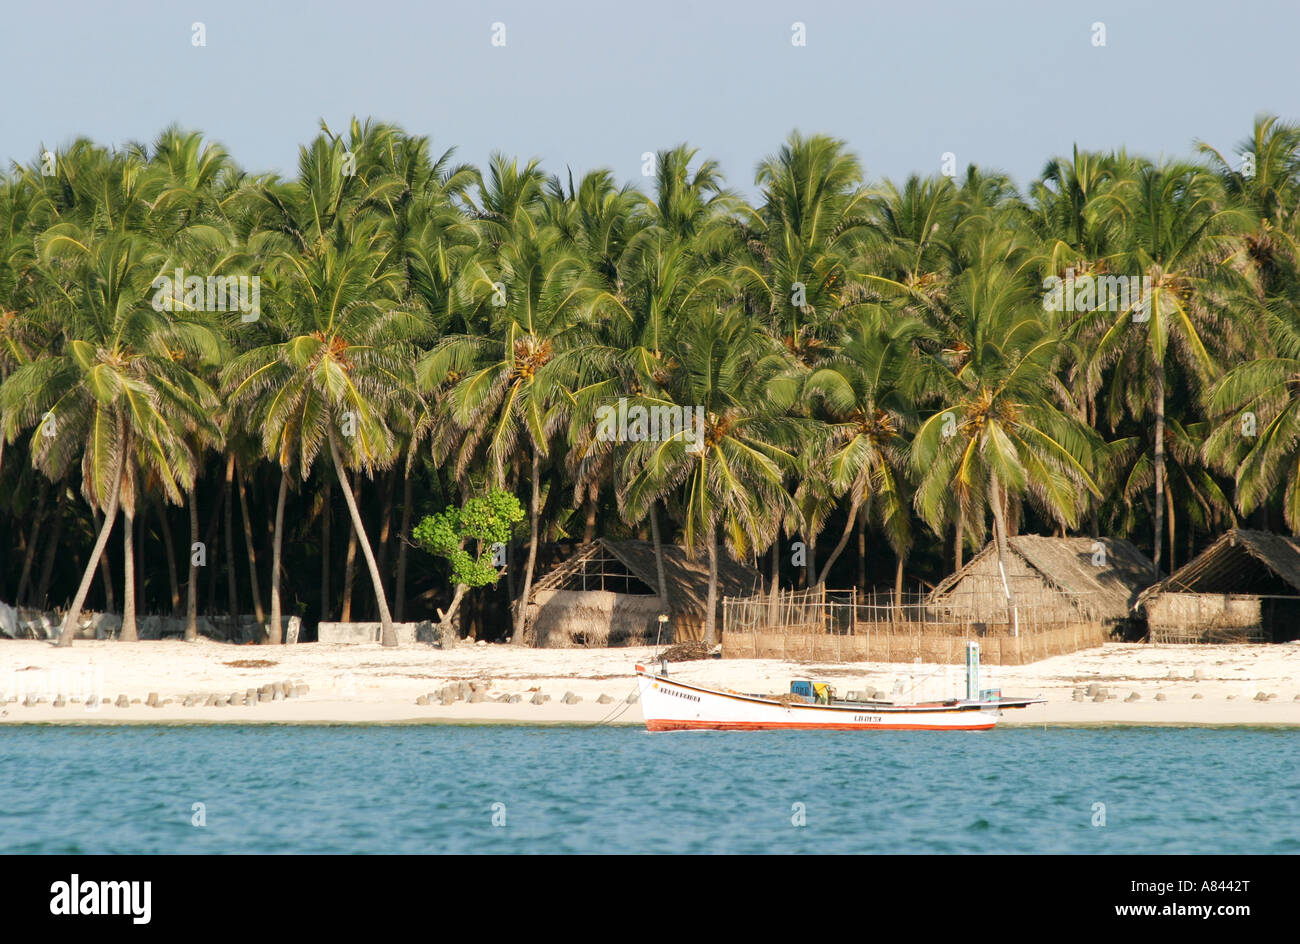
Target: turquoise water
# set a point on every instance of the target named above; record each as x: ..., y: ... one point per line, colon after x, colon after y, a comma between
x: 423, y: 789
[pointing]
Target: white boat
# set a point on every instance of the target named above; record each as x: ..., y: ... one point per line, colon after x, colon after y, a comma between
x: 672, y: 704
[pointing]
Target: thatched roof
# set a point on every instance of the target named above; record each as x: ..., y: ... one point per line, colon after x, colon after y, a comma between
x: 1241, y: 561
x: 687, y: 580
x: 1110, y: 591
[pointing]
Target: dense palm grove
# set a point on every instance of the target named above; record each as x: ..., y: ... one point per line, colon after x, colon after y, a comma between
x: 879, y: 377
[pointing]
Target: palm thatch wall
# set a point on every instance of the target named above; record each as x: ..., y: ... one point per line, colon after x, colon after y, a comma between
x: 1245, y: 587
x: 1053, y: 580
x: 607, y: 595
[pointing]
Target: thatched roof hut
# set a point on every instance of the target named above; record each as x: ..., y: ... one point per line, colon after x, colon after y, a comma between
x: 1053, y: 580
x: 607, y: 595
x: 1245, y: 587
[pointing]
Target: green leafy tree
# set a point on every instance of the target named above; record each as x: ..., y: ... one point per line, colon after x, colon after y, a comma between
x: 488, y: 521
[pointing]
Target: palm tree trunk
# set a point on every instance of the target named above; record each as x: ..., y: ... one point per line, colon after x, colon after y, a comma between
x: 228, y: 513
x: 534, y: 507
x: 326, y: 548
x: 843, y: 542
x: 130, y: 632
x: 711, y: 603
x: 52, y: 547
x: 1000, y: 535
x: 173, y: 582
x: 192, y: 585
x: 810, y: 568
x: 350, y: 561
x: 957, y: 543
x: 105, y: 567
x: 210, y: 541
x: 659, y: 557
x: 249, y: 549
x: 33, y: 537
x: 388, y: 635
x: 399, y: 593
x: 589, y: 529
x: 276, y: 633
x: 73, y: 616
x: 774, y: 590
x: 862, y: 552
x: 1169, y: 506
x: 386, y: 522
x: 1158, y: 397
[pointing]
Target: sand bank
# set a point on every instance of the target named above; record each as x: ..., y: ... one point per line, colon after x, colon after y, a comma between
x: 358, y: 684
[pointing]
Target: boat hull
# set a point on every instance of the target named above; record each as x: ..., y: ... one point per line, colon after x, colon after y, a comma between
x: 673, y: 705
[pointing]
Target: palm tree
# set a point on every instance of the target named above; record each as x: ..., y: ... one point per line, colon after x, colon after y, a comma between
x: 670, y: 269
x: 726, y: 475
x: 114, y: 397
x: 1269, y: 187
x: 332, y: 382
x: 814, y: 213
x: 798, y: 270
x: 1183, y: 236
x: 514, y: 381
x: 998, y: 436
x: 867, y: 391
x: 201, y: 196
x: 1257, y: 405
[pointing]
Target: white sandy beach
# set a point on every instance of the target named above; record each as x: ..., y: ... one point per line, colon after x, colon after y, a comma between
x: 1200, y: 685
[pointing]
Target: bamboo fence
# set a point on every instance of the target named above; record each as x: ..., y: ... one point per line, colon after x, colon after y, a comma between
x: 848, y: 626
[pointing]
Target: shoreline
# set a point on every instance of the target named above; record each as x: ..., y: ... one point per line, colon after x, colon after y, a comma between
x: 1200, y: 686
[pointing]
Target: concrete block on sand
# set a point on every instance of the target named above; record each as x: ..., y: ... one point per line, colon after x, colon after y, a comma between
x: 356, y: 633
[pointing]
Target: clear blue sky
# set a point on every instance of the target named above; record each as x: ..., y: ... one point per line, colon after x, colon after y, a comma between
x: 1000, y: 83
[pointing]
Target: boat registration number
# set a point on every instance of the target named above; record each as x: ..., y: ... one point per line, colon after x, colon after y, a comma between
x: 868, y: 719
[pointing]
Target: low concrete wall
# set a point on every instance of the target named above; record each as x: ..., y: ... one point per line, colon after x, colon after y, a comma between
x: 931, y: 648
x: 24, y: 623
x: 356, y: 633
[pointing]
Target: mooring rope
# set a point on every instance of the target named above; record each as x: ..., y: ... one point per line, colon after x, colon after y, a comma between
x: 616, y: 712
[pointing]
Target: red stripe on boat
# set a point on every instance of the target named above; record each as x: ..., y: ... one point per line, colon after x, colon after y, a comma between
x: 660, y: 725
